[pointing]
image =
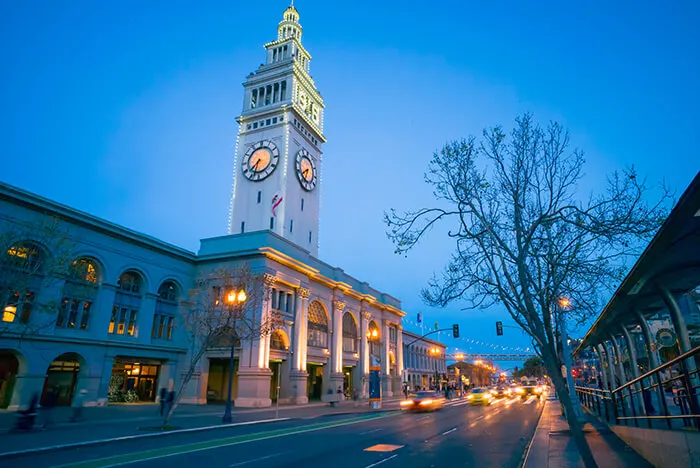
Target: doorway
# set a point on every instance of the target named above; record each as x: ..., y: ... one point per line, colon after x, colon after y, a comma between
x: 9, y: 366
x: 314, y: 383
x: 62, y: 376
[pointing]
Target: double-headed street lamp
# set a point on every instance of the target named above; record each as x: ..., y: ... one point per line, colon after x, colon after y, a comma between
x: 233, y: 299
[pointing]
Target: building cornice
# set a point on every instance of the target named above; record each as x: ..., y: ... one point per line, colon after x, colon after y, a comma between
x: 38, y: 203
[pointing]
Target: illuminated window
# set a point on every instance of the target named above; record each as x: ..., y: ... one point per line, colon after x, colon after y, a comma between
x: 84, y: 270
x: 25, y: 256
x: 277, y: 341
x: 17, y: 307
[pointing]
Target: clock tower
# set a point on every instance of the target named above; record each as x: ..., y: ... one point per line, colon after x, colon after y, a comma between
x: 277, y: 165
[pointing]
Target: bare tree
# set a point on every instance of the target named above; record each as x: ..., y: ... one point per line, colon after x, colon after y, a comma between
x: 525, y: 238
x: 218, y: 316
x: 33, y: 257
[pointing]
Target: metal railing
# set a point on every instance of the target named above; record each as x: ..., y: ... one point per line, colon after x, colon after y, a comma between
x: 667, y: 397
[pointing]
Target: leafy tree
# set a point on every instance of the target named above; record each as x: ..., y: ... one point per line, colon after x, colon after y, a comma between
x: 217, y: 316
x: 525, y: 238
x: 533, y: 367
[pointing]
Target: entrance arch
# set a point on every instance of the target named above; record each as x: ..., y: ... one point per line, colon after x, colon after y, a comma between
x: 62, y: 376
x: 9, y: 368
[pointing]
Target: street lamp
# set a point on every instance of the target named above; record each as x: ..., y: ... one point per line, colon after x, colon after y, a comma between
x: 233, y: 299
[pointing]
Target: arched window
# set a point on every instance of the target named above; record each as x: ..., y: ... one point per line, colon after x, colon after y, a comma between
x: 349, y: 333
x: 25, y: 256
x: 279, y: 341
x: 79, y: 293
x: 166, y: 308
x: 127, y: 302
x: 318, y: 326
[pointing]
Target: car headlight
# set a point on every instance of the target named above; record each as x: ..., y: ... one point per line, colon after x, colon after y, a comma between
x: 469, y: 397
x: 406, y: 403
x: 519, y: 390
x: 426, y: 402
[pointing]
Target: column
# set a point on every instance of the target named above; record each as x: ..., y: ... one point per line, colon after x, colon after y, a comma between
x: 618, y: 356
x: 103, y: 390
x: 399, y: 354
x: 385, y: 364
x: 253, y: 372
x: 336, y: 345
x: 611, y: 366
x: 601, y: 364
x: 337, y: 338
x: 298, y: 375
x: 635, y: 369
x: 653, y: 357
x: 363, y: 363
x: 683, y: 340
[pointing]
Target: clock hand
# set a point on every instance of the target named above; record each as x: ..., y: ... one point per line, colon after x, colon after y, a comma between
x: 255, y: 166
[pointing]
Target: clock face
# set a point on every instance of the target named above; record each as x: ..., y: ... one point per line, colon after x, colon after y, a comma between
x: 306, y: 170
x: 260, y: 160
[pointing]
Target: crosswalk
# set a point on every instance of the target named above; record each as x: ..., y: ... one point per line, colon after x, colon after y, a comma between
x: 506, y: 401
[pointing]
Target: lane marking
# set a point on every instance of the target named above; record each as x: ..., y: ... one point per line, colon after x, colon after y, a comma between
x: 382, y: 461
x: 169, y: 451
x: 383, y: 448
x: 451, y: 430
x: 372, y: 431
x: 135, y: 436
x: 256, y: 459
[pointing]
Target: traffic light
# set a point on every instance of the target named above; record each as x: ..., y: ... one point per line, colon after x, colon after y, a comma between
x: 455, y: 330
x: 499, y: 328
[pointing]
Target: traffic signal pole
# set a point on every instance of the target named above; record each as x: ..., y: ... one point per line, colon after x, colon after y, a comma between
x: 435, y: 331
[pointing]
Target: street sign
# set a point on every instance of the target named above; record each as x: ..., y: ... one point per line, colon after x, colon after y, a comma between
x: 666, y: 338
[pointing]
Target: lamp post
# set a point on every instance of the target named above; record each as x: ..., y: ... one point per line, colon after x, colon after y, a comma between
x: 375, y: 392
x: 233, y: 299
x: 564, y: 303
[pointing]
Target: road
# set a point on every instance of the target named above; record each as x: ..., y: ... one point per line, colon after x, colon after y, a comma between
x: 458, y: 435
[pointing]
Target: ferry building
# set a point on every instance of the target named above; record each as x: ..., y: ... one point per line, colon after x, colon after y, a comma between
x: 115, y: 330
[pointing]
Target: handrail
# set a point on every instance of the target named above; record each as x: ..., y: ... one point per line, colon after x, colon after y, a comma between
x: 663, y: 366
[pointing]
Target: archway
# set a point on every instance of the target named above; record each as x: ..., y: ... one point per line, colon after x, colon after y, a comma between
x: 9, y: 368
x: 62, y: 377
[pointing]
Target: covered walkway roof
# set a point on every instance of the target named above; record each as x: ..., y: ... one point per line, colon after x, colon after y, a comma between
x: 671, y: 259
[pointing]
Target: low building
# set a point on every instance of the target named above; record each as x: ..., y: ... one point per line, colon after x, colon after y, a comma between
x: 424, y: 362
x: 470, y: 375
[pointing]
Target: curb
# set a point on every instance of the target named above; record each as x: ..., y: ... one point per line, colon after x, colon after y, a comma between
x: 526, y: 454
x: 89, y: 443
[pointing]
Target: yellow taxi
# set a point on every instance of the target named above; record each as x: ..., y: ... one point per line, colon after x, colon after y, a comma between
x: 480, y: 396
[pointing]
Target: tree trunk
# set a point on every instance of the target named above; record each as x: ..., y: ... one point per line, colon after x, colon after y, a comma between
x: 186, y: 379
x: 574, y: 424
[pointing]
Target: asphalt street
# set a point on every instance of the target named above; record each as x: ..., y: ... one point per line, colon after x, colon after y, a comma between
x: 458, y: 435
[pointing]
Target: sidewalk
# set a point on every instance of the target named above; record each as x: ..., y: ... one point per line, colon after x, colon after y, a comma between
x: 112, y: 421
x: 553, y: 447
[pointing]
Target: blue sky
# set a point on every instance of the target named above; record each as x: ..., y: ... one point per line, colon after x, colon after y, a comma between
x: 126, y: 110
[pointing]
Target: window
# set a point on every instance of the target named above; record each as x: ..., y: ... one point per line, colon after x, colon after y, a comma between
x: 302, y: 204
x: 129, y: 282
x: 25, y: 256
x: 268, y: 94
x: 255, y: 125
x: 74, y: 313
x: 274, y: 120
x: 276, y: 92
x: 291, y: 225
x: 318, y: 326
x: 17, y: 306
x: 272, y: 222
x: 127, y: 302
x: 309, y: 237
x: 392, y: 334
x: 277, y: 341
x: 349, y: 333
x: 166, y: 308
x: 259, y: 196
x: 268, y: 122
x: 281, y: 118
x: 79, y: 293
x: 283, y: 88
x: 123, y: 321
x: 253, y: 99
x: 248, y: 127
x: 242, y: 227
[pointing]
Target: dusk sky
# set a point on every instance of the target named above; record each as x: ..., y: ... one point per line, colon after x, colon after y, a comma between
x: 126, y: 110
